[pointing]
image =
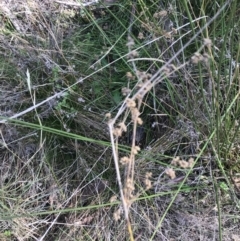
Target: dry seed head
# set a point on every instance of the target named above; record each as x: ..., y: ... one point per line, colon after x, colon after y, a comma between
x: 148, y: 174
x: 129, y: 185
x: 162, y: 13
x: 206, y: 58
x: 168, y: 35
x: 129, y: 200
x: 155, y: 15
x: 108, y: 115
x: 148, y: 184
x: 174, y: 31
x: 191, y: 162
x: 139, y: 121
x: 136, y: 149
x: 175, y: 161
x: 130, y: 76
x: 196, y: 58
x: 122, y: 126
x: 140, y: 35
x: 125, y: 91
x: 130, y: 103
x: 183, y: 164
x: 171, y: 173
x: 117, y: 132
x: 144, y: 76
x: 207, y: 42
x: 124, y: 160
x: 135, y: 113
x: 117, y: 215
x: 111, y: 122
x: 129, y: 196
x: 125, y: 191
x: 146, y: 26
x: 113, y: 199
x: 147, y: 181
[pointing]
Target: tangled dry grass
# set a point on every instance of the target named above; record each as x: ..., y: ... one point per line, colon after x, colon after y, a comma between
x: 73, y: 165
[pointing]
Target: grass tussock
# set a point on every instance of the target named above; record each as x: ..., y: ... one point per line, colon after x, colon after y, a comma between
x: 119, y: 120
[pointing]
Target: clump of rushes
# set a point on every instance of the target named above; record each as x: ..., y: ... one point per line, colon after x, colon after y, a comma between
x: 132, y: 106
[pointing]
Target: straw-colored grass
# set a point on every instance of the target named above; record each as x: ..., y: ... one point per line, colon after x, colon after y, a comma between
x: 119, y: 120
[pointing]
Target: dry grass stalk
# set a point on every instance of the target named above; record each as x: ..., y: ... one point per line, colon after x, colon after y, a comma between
x: 133, y: 106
